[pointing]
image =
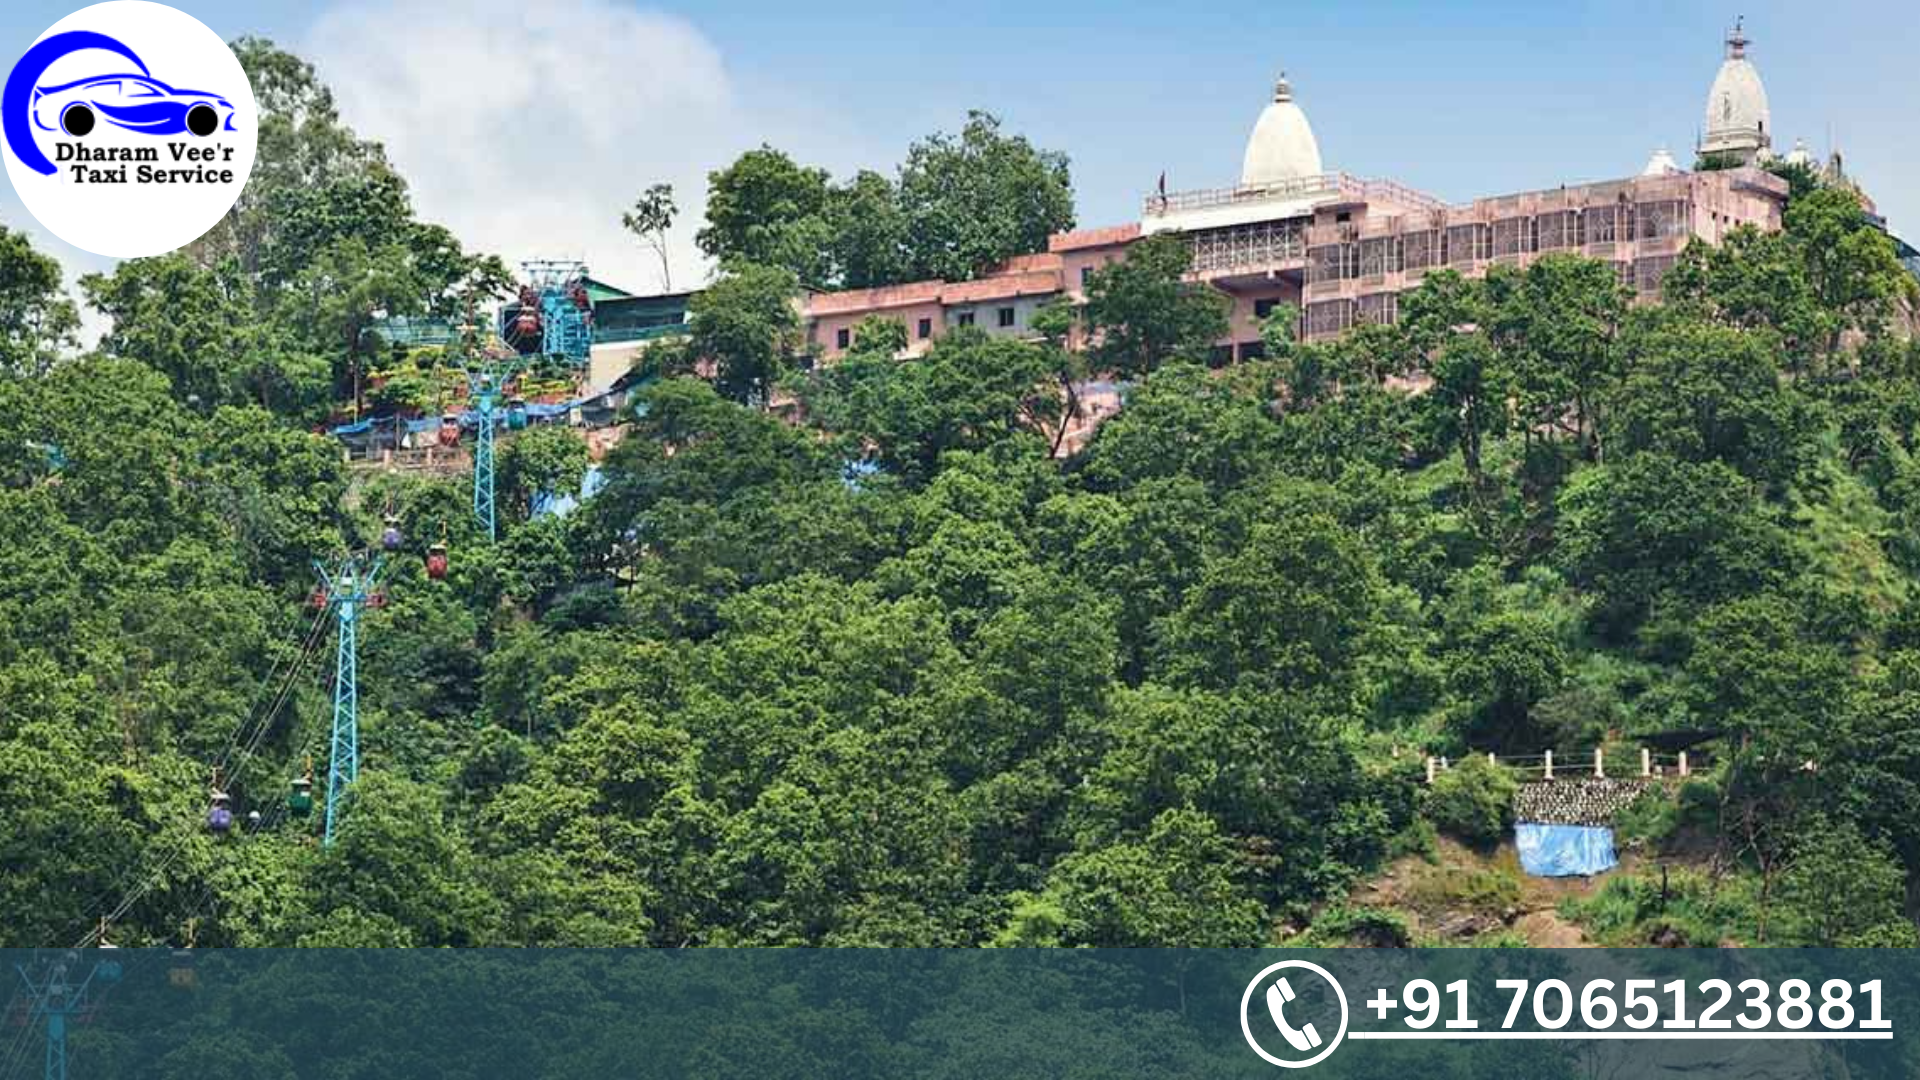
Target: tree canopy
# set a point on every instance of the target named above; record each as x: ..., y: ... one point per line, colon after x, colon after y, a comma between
x: 870, y: 653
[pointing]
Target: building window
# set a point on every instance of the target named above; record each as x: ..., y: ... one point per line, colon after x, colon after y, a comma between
x: 926, y: 329
x: 1006, y: 317
x: 1378, y: 309
x: 1510, y: 236
x: 1377, y: 257
x: 1650, y: 272
x: 1467, y: 243
x: 842, y: 337
x: 1328, y: 263
x: 1329, y: 318
x: 1263, y: 308
x: 1086, y: 276
x: 965, y: 318
x: 1609, y: 224
x: 1420, y: 250
x: 1661, y: 220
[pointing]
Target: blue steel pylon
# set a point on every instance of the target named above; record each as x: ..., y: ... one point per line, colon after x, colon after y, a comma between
x: 61, y: 996
x: 346, y: 591
x: 484, y: 390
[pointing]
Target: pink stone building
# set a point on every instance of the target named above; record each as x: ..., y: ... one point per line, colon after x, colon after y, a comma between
x: 1340, y: 249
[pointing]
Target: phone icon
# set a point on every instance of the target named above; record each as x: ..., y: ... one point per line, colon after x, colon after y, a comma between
x: 1302, y: 1038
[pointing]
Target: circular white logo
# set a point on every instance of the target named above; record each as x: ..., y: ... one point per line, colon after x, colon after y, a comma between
x: 1276, y: 1012
x: 129, y: 128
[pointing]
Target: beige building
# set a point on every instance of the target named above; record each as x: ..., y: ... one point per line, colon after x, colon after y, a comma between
x: 1341, y: 248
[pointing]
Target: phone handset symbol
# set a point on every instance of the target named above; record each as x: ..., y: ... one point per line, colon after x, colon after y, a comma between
x: 1302, y: 1038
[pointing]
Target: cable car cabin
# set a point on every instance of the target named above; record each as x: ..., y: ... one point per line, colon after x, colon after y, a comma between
x: 527, y: 323
x: 390, y: 537
x: 318, y: 600
x: 517, y: 415
x: 180, y: 971
x: 107, y: 971
x: 449, y: 430
x: 300, y: 799
x: 377, y: 600
x: 220, y: 814
x: 437, y: 562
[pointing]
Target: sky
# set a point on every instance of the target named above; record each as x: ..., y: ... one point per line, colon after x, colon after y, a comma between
x: 527, y: 126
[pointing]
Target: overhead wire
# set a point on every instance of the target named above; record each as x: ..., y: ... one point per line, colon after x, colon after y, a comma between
x: 253, y: 732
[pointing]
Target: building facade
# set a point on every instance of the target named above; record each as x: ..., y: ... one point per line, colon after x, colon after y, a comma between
x: 1340, y: 249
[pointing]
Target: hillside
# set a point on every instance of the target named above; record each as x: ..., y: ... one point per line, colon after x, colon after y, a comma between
x: 849, y: 655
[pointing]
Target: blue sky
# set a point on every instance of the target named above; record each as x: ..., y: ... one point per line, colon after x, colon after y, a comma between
x: 528, y: 126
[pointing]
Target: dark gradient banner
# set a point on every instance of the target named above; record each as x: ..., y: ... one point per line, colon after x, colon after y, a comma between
x: 993, y: 1014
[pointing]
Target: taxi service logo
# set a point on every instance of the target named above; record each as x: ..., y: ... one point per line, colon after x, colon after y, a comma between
x: 129, y: 128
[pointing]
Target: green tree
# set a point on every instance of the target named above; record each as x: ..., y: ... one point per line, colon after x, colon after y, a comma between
x: 765, y: 210
x: 1471, y: 380
x: 1653, y: 530
x: 1851, y: 266
x: 1558, y: 323
x: 972, y: 201
x: 1473, y: 801
x: 869, y: 230
x: 649, y: 220
x: 541, y: 459
x: 1755, y: 281
x: 1283, y: 612
x: 1145, y: 313
x: 37, y: 321
x: 969, y: 392
x: 1842, y: 890
x: 745, y: 326
x: 1174, y: 887
x: 1181, y: 421
x: 186, y: 323
x: 1700, y: 392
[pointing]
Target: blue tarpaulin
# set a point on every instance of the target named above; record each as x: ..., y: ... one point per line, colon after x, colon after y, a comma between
x: 1564, y: 850
x: 546, y: 502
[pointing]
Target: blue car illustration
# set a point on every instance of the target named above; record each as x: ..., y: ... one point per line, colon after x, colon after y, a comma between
x: 134, y: 102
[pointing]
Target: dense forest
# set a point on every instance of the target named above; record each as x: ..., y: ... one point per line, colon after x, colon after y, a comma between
x: 859, y: 655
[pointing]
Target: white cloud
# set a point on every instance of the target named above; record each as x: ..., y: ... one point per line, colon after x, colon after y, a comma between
x: 528, y: 128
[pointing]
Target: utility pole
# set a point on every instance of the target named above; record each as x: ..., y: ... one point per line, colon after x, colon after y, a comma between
x: 346, y: 590
x: 62, y: 995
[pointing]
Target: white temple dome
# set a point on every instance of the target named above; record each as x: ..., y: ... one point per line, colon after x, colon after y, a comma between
x: 1737, y: 120
x: 1282, y: 146
x: 1800, y: 155
x: 1661, y: 164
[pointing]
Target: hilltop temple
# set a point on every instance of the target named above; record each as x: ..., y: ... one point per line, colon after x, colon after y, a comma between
x: 1341, y: 249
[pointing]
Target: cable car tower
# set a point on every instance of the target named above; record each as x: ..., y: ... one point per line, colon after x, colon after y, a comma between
x: 346, y: 590
x: 488, y: 372
x: 63, y: 995
x: 555, y: 317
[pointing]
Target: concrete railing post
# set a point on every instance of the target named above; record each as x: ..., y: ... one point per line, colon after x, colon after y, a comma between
x: 1599, y: 764
x: 1549, y: 766
x: 1683, y: 763
x: 1646, y: 762
x: 1430, y: 769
